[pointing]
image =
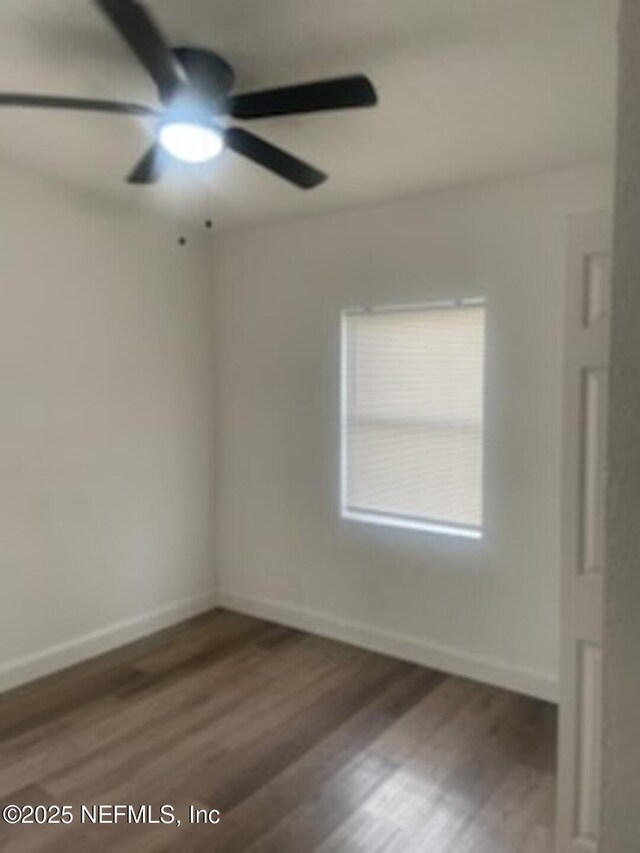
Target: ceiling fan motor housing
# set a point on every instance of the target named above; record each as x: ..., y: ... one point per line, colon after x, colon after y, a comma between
x: 209, y: 74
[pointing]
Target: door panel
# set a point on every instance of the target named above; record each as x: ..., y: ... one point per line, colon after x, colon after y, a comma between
x: 583, y: 502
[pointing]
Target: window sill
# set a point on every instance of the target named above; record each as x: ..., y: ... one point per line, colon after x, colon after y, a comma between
x: 383, y: 520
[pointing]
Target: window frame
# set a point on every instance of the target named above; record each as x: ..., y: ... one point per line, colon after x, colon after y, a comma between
x: 389, y: 519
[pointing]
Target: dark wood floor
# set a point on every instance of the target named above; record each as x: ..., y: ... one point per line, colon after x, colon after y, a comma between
x: 303, y: 744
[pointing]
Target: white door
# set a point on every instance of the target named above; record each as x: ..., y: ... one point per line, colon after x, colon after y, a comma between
x: 584, y: 446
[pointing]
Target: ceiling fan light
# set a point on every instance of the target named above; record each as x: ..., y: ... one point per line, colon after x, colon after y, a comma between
x: 191, y: 142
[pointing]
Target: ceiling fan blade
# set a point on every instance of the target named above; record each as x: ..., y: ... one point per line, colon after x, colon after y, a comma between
x: 341, y: 93
x: 138, y: 29
x: 54, y: 102
x: 274, y: 159
x: 150, y: 168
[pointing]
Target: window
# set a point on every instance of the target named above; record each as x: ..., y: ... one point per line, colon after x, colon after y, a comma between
x: 412, y: 416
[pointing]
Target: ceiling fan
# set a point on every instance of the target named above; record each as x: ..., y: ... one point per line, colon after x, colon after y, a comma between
x: 194, y: 87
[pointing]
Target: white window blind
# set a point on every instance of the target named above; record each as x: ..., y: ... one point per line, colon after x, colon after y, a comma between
x: 412, y: 418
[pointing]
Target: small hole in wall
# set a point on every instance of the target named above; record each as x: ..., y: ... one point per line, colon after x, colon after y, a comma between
x: 208, y: 224
x: 182, y: 241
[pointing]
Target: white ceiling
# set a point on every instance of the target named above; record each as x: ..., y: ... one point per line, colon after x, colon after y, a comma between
x: 469, y: 90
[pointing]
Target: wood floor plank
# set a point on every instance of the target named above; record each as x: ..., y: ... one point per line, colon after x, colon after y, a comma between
x: 305, y: 745
x: 268, y: 810
x: 27, y: 706
x: 509, y: 816
x: 423, y: 798
x: 249, y: 670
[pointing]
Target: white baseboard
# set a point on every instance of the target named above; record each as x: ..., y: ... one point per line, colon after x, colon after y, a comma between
x: 437, y: 656
x: 434, y: 655
x: 62, y: 655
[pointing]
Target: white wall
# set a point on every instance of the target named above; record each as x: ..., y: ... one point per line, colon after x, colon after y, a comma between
x: 621, y: 791
x: 486, y: 609
x: 106, y: 426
